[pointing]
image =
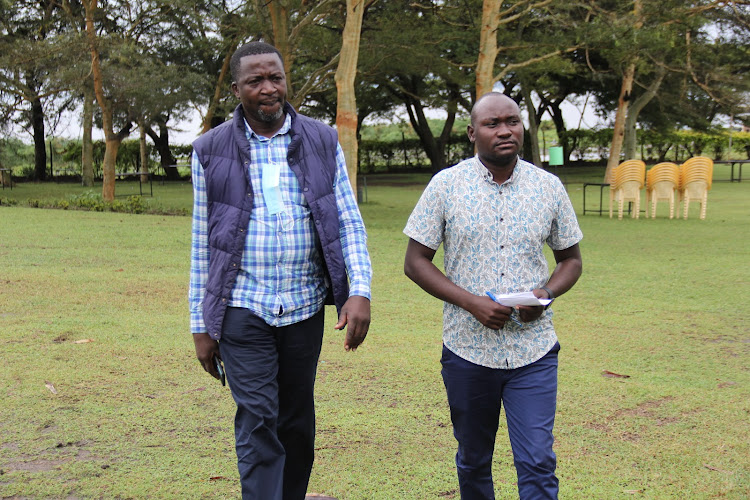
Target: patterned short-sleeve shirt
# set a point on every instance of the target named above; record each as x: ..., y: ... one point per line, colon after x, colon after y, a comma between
x: 493, y: 237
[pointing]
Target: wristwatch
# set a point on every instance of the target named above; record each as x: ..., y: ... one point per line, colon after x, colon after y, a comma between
x: 550, y: 294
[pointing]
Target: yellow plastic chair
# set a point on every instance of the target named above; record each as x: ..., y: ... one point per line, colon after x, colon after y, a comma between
x: 628, y: 178
x: 696, y: 175
x: 662, y: 180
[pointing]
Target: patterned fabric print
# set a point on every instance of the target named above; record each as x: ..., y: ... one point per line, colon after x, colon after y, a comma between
x: 493, y: 237
x: 281, y: 279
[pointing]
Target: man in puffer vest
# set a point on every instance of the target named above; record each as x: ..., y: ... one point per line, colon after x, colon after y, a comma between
x: 276, y: 235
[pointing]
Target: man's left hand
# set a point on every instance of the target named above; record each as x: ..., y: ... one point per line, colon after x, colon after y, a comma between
x: 355, y: 315
x: 530, y: 313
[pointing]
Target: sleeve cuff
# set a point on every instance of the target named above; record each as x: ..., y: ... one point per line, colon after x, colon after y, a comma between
x: 196, y: 323
x: 360, y: 290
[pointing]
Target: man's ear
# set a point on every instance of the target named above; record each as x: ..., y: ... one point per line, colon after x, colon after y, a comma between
x: 235, y: 90
x: 470, y: 133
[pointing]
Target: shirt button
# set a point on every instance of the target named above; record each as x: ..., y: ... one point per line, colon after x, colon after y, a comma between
x: 305, y: 190
x: 224, y: 301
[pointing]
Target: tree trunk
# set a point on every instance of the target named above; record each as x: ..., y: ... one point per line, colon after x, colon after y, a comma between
x: 143, y: 149
x: 40, y: 148
x: 111, y: 146
x: 630, y: 140
x: 433, y: 147
x: 208, y: 120
x: 108, y: 168
x: 112, y: 141
x: 619, y: 130
x: 161, y: 143
x: 626, y: 90
x: 288, y: 21
x: 279, y: 14
x: 87, y: 154
x: 422, y: 128
x: 487, y: 46
x: 533, y: 125
x: 560, y: 129
x: 346, y: 109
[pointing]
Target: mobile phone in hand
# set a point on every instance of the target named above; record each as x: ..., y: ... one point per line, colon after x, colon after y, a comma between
x: 220, y: 370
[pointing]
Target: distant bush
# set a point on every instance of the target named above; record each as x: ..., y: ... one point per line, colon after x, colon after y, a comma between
x: 93, y: 202
x: 14, y: 154
x: 676, y: 145
x: 8, y: 202
x: 181, y: 150
x: 408, y: 153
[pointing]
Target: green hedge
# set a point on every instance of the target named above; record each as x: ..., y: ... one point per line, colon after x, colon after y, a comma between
x: 66, y: 156
x: 407, y: 154
x: 403, y: 154
x: 93, y: 202
x: 677, y: 145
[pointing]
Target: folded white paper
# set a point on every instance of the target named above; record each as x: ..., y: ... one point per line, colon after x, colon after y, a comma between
x: 519, y: 299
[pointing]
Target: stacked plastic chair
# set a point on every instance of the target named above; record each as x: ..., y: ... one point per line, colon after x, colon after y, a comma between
x: 696, y: 175
x: 662, y: 180
x: 628, y: 178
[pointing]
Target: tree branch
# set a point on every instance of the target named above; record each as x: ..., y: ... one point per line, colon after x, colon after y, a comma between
x: 309, y: 18
x: 512, y: 66
x: 319, y: 75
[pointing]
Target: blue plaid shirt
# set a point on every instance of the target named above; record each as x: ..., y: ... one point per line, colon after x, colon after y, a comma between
x: 282, y: 278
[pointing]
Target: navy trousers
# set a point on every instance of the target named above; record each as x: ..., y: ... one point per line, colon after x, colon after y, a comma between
x: 271, y: 372
x: 475, y: 395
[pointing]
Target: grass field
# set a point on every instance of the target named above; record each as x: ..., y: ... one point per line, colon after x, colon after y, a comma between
x: 102, y: 396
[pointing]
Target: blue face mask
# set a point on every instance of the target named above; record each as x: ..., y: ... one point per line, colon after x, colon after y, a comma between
x: 270, y: 185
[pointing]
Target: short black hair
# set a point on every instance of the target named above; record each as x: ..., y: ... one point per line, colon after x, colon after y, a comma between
x: 251, y: 49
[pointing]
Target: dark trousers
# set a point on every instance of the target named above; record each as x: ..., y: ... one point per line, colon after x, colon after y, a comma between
x: 271, y: 372
x: 475, y: 394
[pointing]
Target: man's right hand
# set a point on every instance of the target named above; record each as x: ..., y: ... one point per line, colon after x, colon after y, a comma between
x: 419, y: 267
x: 488, y: 312
x: 206, y: 348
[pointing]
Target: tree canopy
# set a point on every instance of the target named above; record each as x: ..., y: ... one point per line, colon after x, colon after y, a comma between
x: 654, y: 64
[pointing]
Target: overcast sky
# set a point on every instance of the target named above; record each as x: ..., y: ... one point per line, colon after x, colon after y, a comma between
x: 186, y: 131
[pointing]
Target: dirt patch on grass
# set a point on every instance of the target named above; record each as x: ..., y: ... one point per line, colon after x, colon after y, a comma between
x: 47, y: 460
x: 38, y: 465
x: 646, y: 409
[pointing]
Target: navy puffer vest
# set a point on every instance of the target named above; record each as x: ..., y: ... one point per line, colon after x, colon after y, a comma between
x: 224, y: 153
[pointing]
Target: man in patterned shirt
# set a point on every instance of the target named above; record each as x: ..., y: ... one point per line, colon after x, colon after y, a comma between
x: 493, y: 213
x: 276, y: 234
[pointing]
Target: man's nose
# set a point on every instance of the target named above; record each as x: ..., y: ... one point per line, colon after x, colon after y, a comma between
x: 267, y: 87
x: 503, y: 130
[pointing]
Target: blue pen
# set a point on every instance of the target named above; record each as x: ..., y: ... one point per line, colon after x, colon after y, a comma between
x: 515, y: 320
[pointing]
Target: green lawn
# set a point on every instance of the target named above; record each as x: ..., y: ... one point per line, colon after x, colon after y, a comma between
x: 94, y: 305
